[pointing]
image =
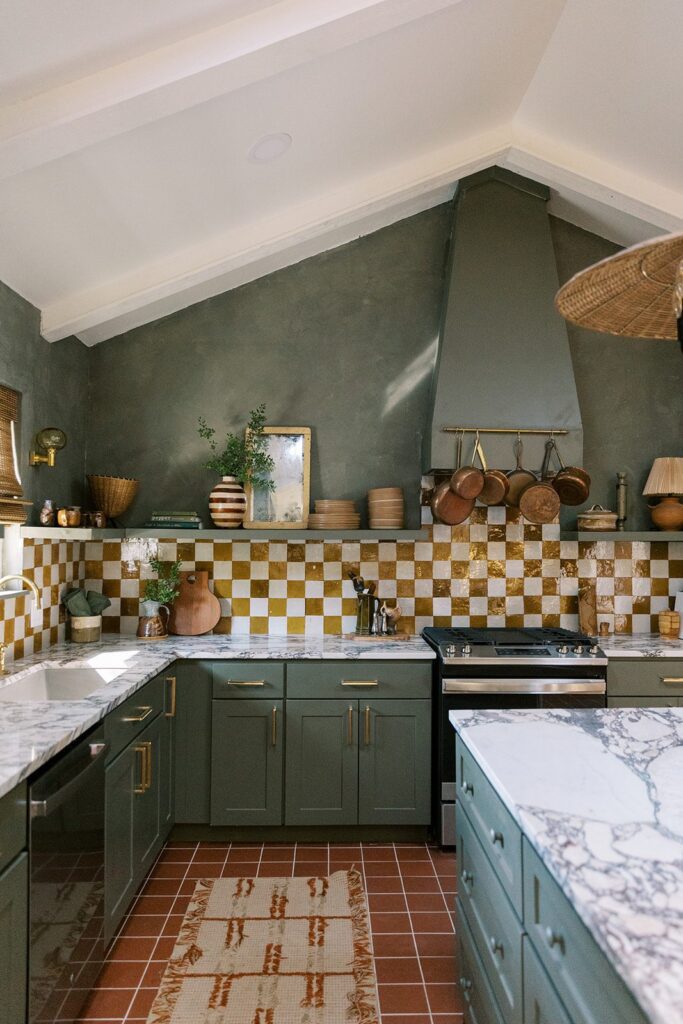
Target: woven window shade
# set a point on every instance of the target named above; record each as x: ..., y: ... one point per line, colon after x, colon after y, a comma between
x: 12, y: 509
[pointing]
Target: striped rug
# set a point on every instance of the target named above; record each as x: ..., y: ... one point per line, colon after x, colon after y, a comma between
x: 272, y: 951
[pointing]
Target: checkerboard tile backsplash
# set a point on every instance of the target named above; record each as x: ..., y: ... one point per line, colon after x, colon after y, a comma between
x: 494, y: 570
x: 52, y: 565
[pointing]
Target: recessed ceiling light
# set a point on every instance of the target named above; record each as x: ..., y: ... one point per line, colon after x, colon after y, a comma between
x: 270, y: 147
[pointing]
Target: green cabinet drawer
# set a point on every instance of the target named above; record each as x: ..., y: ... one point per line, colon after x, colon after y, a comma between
x: 586, y: 983
x: 643, y: 702
x: 495, y: 928
x: 636, y: 677
x: 542, y: 1005
x: 14, y: 941
x: 478, y: 1000
x: 246, y: 762
x: 498, y: 833
x: 347, y: 679
x: 12, y: 824
x: 240, y: 680
x: 125, y: 722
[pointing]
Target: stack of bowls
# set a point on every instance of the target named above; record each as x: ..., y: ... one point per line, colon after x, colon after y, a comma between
x: 385, y: 508
x: 334, y: 514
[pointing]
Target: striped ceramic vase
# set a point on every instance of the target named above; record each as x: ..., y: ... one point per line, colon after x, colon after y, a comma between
x: 228, y: 503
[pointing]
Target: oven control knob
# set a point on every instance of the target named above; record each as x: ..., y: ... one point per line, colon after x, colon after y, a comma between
x: 563, y: 649
x: 467, y: 649
x: 450, y: 651
x: 578, y: 649
x: 593, y: 649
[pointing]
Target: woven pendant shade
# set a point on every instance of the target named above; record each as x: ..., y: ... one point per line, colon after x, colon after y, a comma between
x: 631, y: 293
x: 666, y: 477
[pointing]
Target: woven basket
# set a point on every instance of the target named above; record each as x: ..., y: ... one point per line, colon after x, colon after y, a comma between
x: 630, y: 294
x: 112, y: 495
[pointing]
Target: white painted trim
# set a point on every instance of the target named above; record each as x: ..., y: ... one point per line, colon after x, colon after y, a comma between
x: 240, y: 256
x: 196, y: 69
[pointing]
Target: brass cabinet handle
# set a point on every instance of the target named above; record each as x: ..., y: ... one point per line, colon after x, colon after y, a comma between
x: 367, y: 725
x: 360, y: 682
x: 273, y: 727
x: 466, y: 986
x: 467, y: 877
x: 349, y: 724
x: 245, y: 682
x: 467, y: 788
x: 172, y: 681
x: 672, y: 679
x: 146, y: 712
x: 140, y: 787
x: 496, y: 837
x: 148, y: 773
x: 554, y: 938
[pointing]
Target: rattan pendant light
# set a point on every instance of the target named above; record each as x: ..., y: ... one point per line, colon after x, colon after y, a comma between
x: 637, y: 293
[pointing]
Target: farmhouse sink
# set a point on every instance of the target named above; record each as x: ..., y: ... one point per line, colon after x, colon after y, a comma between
x: 45, y: 684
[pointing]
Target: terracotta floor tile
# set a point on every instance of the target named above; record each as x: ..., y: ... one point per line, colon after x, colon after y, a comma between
x: 163, y: 949
x: 393, y: 945
x: 121, y: 974
x: 313, y: 869
x: 410, y: 853
x: 393, y: 923
x: 211, y: 854
x: 439, y: 969
x: 107, y: 1003
x: 132, y: 949
x: 396, y: 970
x: 142, y: 1003
x: 244, y: 854
x: 406, y: 1018
x: 417, y: 868
x: 172, y: 925
x: 382, y: 884
x: 421, y: 884
x: 440, y: 944
x: 387, y: 904
x: 431, y: 922
x: 374, y: 868
x: 200, y: 869
x: 154, y: 904
x: 154, y: 972
x: 275, y: 869
x: 173, y: 855
x: 169, y: 869
x: 345, y: 863
x: 426, y: 901
x: 238, y: 869
x: 143, y: 926
x: 279, y: 851
x: 374, y: 853
x: 402, y: 999
x: 161, y: 887
x: 444, y: 998
x: 446, y: 1018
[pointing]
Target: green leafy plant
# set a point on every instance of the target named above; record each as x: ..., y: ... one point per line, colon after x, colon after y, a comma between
x: 246, y: 458
x: 165, y: 589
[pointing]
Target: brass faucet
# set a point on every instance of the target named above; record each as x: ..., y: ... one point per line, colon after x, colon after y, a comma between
x: 23, y: 579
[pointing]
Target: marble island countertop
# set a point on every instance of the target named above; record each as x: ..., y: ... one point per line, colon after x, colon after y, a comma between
x: 32, y: 732
x: 599, y: 796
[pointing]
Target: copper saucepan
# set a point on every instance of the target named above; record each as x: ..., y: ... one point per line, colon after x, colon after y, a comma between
x: 467, y: 481
x: 448, y: 507
x: 572, y: 483
x: 496, y: 483
x: 518, y: 478
x: 539, y: 502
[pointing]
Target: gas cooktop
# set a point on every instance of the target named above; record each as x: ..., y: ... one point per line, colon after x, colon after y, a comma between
x: 513, y: 646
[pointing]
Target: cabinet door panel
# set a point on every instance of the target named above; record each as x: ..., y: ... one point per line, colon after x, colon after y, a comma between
x: 194, y: 681
x: 322, y: 762
x: 167, y: 756
x: 394, y: 762
x: 246, y: 762
x: 147, y: 806
x: 122, y: 777
x: 14, y: 941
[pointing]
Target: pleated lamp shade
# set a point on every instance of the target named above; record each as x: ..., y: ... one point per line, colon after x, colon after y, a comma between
x: 666, y: 477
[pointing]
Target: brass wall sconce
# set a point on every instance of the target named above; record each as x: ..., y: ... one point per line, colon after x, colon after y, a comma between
x: 51, y: 440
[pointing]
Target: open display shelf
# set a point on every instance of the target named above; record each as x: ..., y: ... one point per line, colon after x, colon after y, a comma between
x: 665, y: 536
x: 88, y: 533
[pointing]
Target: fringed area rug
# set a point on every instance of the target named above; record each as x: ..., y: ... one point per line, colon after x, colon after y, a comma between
x: 272, y: 951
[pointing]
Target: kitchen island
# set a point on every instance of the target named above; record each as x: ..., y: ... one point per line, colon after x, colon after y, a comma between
x: 597, y: 797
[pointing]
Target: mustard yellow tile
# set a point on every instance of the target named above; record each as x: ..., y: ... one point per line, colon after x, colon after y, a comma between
x: 550, y: 585
x: 442, y: 621
x: 641, y: 567
x: 496, y: 532
x: 424, y: 606
x: 405, y: 551
x: 551, y: 549
x: 332, y: 588
x: 258, y: 624
x: 478, y: 551
x: 460, y: 570
x: 111, y: 551
x: 387, y: 570
x: 514, y: 621
x: 532, y: 605
x: 424, y: 570
x: 258, y: 588
x: 223, y: 626
x: 222, y: 550
x: 496, y: 606
x: 241, y: 606
x: 277, y: 570
x: 569, y: 604
x: 605, y: 567
x: 623, y: 585
x: 314, y: 606
x: 241, y: 570
x: 296, y: 624
x: 369, y: 551
x: 478, y: 621
x: 441, y: 588
x: 569, y: 568
x: 532, y: 566
x: 496, y: 569
x: 314, y: 570
x: 350, y: 567
x: 332, y: 625
x: 405, y: 588
x: 479, y: 588
x: 186, y: 551
x: 514, y: 586
x: 332, y: 552
x: 659, y: 549
x: 259, y: 551
x: 660, y: 587
x: 296, y: 588
x: 349, y: 605
x: 277, y: 607
x: 296, y: 552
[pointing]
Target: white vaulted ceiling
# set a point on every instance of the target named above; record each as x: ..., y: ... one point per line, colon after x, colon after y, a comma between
x: 126, y: 188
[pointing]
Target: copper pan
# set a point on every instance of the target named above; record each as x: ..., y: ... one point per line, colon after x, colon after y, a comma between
x: 467, y: 481
x: 539, y: 502
x: 518, y: 478
x: 448, y: 507
x: 496, y: 483
x: 572, y: 483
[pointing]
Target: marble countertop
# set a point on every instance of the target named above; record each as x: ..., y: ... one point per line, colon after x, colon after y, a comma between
x: 33, y: 732
x: 599, y: 796
x: 641, y: 645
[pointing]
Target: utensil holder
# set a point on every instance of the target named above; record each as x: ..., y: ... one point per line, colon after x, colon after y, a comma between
x: 365, y: 615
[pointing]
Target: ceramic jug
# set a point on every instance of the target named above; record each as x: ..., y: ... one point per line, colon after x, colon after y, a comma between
x: 152, y: 625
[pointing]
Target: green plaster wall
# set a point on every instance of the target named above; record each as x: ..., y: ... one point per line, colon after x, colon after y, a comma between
x: 630, y: 390
x: 343, y: 342
x: 53, y: 381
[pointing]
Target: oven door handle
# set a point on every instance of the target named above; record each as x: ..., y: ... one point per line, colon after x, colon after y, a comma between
x: 541, y: 685
x: 42, y: 808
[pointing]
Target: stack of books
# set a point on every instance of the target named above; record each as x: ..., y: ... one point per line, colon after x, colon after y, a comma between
x: 174, y: 521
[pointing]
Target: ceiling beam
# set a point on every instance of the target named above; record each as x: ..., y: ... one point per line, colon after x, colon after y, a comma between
x: 212, y: 63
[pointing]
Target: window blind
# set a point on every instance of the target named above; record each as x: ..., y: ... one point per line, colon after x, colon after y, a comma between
x: 12, y: 509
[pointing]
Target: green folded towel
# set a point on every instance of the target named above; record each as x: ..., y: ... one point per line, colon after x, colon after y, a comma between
x: 80, y: 603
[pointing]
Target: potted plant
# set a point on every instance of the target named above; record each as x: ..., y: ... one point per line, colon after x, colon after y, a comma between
x: 242, y: 462
x: 159, y: 593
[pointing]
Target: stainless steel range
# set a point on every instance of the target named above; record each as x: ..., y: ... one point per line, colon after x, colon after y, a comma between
x: 505, y: 668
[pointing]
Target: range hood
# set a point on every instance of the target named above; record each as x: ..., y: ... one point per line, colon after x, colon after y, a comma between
x: 503, y: 358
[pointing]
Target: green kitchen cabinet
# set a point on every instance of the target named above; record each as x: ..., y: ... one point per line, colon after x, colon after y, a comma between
x: 14, y: 941
x: 192, y: 742
x: 321, y: 762
x: 148, y: 831
x: 246, y: 762
x: 167, y: 756
x: 394, y: 755
x: 643, y: 702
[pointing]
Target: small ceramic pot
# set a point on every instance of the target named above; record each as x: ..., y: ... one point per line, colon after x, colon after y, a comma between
x: 86, y: 629
x: 228, y: 503
x: 70, y: 516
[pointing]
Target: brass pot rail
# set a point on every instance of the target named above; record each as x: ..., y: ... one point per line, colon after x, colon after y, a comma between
x: 540, y: 431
